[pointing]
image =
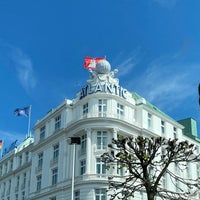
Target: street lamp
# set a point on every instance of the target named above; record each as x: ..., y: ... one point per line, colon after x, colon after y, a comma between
x: 73, y: 141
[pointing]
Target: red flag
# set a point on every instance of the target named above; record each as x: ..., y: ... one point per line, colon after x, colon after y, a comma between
x: 90, y: 63
x: 1, y: 144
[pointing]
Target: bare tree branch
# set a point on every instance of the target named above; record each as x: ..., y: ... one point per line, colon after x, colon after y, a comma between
x: 147, y: 161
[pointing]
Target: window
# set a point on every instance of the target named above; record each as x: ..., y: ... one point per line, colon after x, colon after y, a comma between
x: 83, y: 143
x: 55, y: 151
x: 42, y: 133
x: 27, y: 156
x: 149, y: 120
x: 85, y: 109
x: 77, y: 195
x: 54, y: 176
x: 39, y: 182
x: 162, y: 127
x: 83, y: 166
x: 188, y: 170
x: 175, y: 132
x: 120, y: 170
x: 176, y: 168
x: 100, y: 194
x: 102, y: 139
x: 24, y: 181
x: 16, y: 196
x: 52, y: 198
x: 11, y: 164
x: 9, y: 186
x: 6, y: 167
x: 198, y: 169
x: 164, y: 181
x: 120, y: 110
x: 4, y: 188
x: 100, y: 166
x: 17, y: 184
x: 23, y: 195
x: 20, y: 160
x: 57, y: 122
x: 102, y: 107
x: 40, y: 160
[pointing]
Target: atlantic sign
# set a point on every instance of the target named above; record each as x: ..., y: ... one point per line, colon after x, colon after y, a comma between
x: 104, y: 88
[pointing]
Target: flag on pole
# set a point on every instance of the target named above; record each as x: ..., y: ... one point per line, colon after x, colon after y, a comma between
x: 22, y: 111
x: 1, y: 144
x: 90, y: 63
x: 199, y: 93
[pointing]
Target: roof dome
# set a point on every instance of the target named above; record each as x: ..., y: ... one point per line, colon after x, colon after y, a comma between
x: 103, y: 67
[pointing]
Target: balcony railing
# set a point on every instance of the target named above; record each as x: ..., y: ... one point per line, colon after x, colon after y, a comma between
x: 103, y: 115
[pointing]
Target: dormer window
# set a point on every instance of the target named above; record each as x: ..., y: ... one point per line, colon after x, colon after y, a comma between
x: 42, y: 133
x: 57, y: 122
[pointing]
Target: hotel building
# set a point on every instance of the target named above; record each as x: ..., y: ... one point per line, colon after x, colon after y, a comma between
x: 41, y: 168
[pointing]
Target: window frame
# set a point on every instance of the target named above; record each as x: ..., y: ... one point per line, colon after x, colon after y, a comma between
x: 100, y: 194
x: 85, y: 109
x: 42, y: 132
x: 38, y: 182
x: 102, y: 140
x: 57, y: 120
x: 120, y: 110
x: 54, y: 176
x: 102, y: 107
x: 100, y: 166
x: 82, y: 166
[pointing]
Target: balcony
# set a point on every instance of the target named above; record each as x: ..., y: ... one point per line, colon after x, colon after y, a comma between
x: 91, y: 177
x: 124, y: 117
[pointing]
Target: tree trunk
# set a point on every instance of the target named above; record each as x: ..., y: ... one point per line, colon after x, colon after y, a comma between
x: 150, y: 195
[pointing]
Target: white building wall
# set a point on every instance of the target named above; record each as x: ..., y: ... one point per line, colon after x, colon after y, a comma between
x: 73, y: 123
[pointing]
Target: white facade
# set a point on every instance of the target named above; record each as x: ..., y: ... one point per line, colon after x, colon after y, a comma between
x: 100, y: 111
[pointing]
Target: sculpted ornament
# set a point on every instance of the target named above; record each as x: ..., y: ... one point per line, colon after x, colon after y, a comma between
x: 102, y: 79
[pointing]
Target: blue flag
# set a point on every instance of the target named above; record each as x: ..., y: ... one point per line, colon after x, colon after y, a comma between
x: 22, y: 111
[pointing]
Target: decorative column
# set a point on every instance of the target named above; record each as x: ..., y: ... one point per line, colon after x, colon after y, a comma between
x: 88, y: 151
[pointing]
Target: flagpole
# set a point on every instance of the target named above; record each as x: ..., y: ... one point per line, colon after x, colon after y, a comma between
x: 29, y: 121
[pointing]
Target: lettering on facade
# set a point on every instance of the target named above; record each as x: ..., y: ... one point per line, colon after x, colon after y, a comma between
x: 104, y: 88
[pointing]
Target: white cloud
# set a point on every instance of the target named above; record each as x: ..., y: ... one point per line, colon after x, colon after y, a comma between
x: 15, y: 58
x: 168, y: 85
x: 167, y: 82
x: 24, y: 68
x: 127, y: 63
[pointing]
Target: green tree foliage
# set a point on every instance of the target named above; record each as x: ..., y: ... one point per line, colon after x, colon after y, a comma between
x: 146, y: 161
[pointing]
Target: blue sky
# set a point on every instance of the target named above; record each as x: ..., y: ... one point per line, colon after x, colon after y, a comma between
x: 155, y: 44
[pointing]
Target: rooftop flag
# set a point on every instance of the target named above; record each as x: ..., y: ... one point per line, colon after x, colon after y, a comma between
x: 199, y: 93
x: 1, y: 144
x: 22, y: 111
x: 90, y: 63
